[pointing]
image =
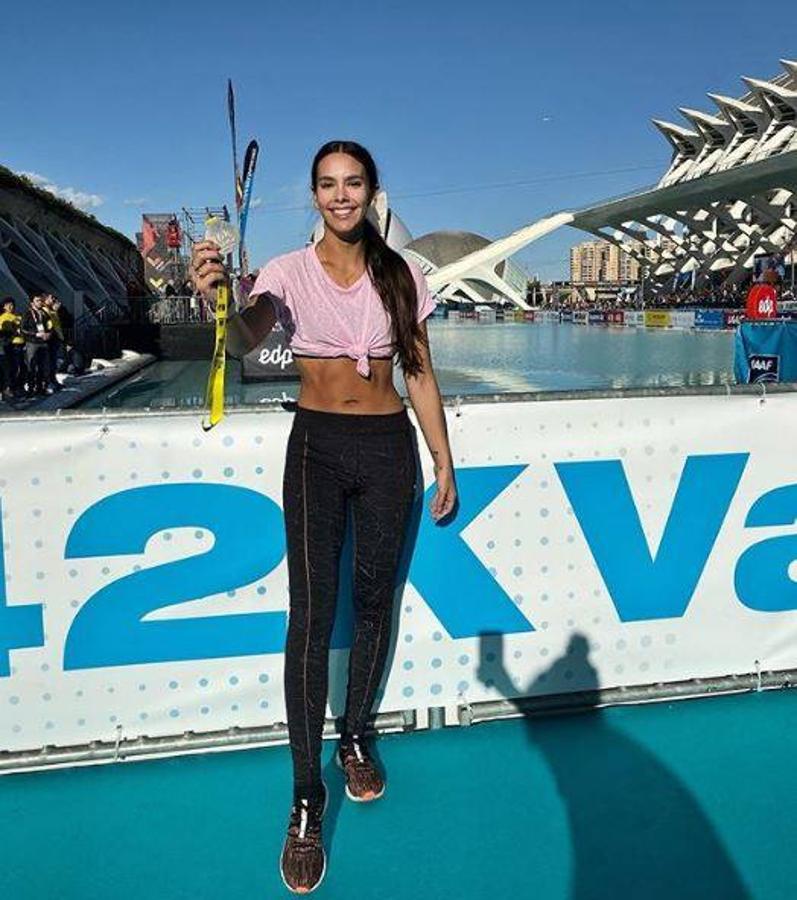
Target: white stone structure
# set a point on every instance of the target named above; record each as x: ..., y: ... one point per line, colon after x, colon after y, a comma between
x: 497, y: 282
x: 48, y: 246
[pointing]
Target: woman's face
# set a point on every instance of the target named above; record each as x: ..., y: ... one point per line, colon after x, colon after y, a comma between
x: 342, y: 193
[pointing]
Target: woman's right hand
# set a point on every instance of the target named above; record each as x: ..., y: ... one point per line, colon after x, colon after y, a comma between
x: 207, y: 270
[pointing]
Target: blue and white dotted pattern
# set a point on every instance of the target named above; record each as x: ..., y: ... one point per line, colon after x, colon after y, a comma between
x: 527, y: 538
x: 54, y: 472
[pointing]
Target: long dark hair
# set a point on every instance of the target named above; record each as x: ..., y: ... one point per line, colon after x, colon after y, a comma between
x: 389, y: 272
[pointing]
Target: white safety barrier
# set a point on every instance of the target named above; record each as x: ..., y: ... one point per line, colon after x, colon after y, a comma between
x: 611, y: 542
x: 683, y: 318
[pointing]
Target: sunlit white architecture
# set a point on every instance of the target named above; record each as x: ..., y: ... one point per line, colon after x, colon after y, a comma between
x: 727, y: 196
x: 49, y: 246
x: 496, y: 282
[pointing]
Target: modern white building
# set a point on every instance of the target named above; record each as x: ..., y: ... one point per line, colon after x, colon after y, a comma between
x: 49, y: 246
x: 501, y: 282
x: 727, y: 197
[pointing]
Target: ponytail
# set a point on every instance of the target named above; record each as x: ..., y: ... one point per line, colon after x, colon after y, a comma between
x: 394, y: 283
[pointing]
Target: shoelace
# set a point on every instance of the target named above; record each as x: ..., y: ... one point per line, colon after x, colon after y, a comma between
x: 305, y: 821
x: 358, y: 765
x: 353, y: 746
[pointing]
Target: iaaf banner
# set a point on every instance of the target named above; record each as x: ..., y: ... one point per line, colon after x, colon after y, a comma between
x: 765, y: 351
x: 144, y: 579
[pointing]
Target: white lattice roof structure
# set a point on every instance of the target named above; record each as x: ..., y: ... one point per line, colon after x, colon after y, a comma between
x: 49, y: 246
x: 727, y: 196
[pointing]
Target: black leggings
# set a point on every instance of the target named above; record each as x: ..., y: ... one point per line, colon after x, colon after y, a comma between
x: 333, y: 460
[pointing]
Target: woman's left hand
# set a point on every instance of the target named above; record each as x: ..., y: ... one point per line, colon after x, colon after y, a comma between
x: 446, y: 495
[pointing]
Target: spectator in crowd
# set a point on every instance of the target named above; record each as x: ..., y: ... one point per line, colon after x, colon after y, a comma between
x: 37, y: 329
x: 57, y: 342
x: 762, y: 299
x: 71, y: 358
x: 5, y: 383
x: 711, y: 295
x: 13, y: 349
x: 59, y: 311
x: 35, y: 346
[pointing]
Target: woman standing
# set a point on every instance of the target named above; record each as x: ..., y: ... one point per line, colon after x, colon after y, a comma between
x: 348, y: 305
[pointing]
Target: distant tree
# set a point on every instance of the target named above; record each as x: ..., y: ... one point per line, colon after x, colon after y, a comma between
x: 533, y: 290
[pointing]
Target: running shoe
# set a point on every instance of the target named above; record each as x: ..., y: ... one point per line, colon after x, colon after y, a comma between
x: 364, y: 782
x: 303, y: 863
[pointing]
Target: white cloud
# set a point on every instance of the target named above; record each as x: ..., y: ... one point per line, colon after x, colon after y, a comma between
x: 136, y: 201
x: 255, y: 202
x: 80, y: 199
x: 296, y: 192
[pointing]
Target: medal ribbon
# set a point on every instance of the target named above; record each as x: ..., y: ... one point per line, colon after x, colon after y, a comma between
x: 214, y: 394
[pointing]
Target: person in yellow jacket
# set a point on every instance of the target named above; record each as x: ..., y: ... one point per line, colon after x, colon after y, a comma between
x: 13, y: 344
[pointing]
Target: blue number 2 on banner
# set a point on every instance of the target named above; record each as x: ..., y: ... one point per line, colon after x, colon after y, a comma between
x: 20, y: 626
x: 110, y: 629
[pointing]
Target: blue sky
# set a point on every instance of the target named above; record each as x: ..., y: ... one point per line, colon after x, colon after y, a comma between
x: 124, y: 104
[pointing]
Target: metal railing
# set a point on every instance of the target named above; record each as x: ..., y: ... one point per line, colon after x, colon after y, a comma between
x: 180, y: 310
x: 462, y: 715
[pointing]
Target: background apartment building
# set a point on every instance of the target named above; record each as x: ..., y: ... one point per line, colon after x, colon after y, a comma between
x: 593, y: 262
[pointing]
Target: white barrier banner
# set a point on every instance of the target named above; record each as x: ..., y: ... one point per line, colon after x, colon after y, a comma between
x: 634, y: 317
x: 682, y: 318
x: 632, y: 541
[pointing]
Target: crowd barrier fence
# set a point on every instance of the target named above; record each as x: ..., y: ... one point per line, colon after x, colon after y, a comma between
x: 685, y: 319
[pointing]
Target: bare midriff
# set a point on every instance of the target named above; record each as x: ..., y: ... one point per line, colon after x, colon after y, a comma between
x: 335, y: 385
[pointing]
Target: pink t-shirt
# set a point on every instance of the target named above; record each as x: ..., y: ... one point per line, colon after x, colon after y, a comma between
x: 321, y: 318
